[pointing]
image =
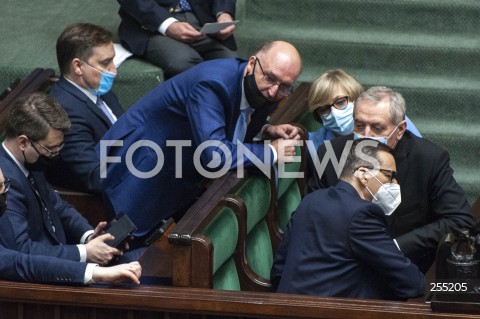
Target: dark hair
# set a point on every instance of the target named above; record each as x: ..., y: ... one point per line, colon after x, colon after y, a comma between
x: 33, y: 115
x: 78, y: 41
x: 360, y: 152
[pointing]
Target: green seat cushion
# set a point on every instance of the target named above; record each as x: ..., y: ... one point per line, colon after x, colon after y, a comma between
x: 259, y: 250
x: 256, y: 194
x: 223, y: 233
x: 309, y: 122
x: 287, y: 204
x: 226, y: 277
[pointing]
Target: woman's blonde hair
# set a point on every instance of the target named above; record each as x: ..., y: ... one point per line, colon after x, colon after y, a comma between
x: 323, y: 87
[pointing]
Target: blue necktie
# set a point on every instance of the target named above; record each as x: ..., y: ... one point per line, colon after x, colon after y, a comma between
x: 242, y: 123
x: 104, y: 109
x: 185, y: 6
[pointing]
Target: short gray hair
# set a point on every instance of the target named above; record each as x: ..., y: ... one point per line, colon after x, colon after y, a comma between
x: 398, y: 108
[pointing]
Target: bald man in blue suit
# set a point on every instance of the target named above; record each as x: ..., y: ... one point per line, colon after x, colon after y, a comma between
x: 202, y: 104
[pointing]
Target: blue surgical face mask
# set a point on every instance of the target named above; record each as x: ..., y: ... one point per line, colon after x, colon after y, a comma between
x: 106, y: 81
x: 381, y: 139
x: 339, y: 121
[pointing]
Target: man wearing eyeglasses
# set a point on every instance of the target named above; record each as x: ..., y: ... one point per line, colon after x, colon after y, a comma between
x: 43, y: 223
x: 49, y: 269
x: 433, y: 204
x: 336, y: 243
x: 225, y: 100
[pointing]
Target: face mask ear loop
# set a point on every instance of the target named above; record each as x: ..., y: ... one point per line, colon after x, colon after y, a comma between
x: 369, y: 189
x: 371, y: 193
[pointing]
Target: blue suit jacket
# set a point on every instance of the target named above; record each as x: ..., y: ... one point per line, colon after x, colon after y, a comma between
x: 33, y: 232
x: 78, y: 167
x: 337, y: 245
x: 18, y: 266
x: 198, y: 105
x: 142, y: 18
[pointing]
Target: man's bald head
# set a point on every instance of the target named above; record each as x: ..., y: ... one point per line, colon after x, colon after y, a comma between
x: 281, y: 56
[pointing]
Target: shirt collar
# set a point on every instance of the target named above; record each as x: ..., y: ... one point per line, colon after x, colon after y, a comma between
x: 20, y: 165
x: 91, y: 96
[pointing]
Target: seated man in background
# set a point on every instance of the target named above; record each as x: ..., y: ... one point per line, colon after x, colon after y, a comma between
x: 166, y: 32
x: 222, y: 101
x: 43, y: 223
x: 35, y: 268
x: 433, y: 204
x: 85, y: 57
x: 336, y: 243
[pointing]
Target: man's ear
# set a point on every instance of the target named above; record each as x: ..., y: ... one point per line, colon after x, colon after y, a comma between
x: 360, y: 173
x: 401, y: 130
x: 76, y: 67
x: 23, y: 142
x: 250, y: 65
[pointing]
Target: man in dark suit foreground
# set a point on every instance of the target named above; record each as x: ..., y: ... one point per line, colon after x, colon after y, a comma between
x: 85, y: 57
x: 18, y: 266
x: 433, y: 204
x: 43, y: 223
x: 150, y: 167
x: 336, y: 243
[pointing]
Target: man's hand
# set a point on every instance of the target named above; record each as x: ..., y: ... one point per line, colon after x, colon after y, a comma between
x: 183, y: 32
x: 285, y: 149
x: 99, y: 252
x: 228, y: 31
x: 98, y: 231
x: 285, y: 131
x: 117, y: 274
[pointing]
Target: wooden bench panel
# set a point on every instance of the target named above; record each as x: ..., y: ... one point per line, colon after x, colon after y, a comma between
x: 22, y: 300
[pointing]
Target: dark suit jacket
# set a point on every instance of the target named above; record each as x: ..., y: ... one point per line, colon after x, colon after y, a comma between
x: 198, y: 105
x: 433, y: 204
x: 33, y: 231
x: 18, y: 266
x: 142, y: 18
x: 78, y: 167
x: 336, y: 244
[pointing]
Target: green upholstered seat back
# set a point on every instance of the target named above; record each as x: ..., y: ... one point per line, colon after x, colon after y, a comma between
x: 287, y: 203
x: 288, y: 193
x: 257, y: 196
x: 259, y: 250
x: 309, y: 122
x: 223, y: 233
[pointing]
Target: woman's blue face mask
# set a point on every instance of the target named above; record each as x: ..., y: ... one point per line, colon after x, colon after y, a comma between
x: 339, y: 121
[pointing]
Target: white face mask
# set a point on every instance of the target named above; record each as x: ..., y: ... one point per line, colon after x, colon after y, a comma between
x: 388, y: 196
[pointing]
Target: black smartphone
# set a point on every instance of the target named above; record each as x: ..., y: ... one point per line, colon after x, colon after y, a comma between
x: 121, y: 228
